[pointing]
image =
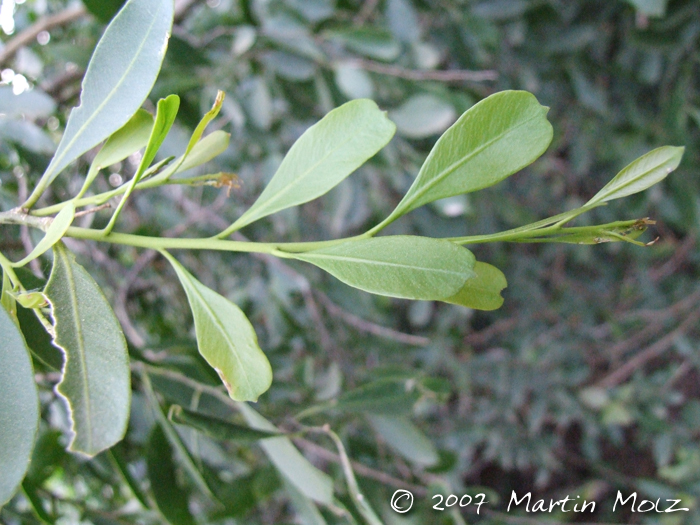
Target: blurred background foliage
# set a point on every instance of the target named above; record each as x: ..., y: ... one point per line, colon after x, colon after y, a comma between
x: 584, y: 383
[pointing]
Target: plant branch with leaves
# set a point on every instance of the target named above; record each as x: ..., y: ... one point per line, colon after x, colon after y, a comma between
x: 492, y: 140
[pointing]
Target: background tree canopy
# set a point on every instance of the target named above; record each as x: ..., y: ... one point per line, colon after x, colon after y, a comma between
x: 584, y: 383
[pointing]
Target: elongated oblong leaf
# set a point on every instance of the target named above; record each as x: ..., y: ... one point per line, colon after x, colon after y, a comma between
x: 489, y: 142
x: 483, y: 291
x: 170, y: 497
x: 120, y: 75
x: 324, y: 155
x: 404, y: 437
x: 295, y: 468
x: 226, y: 339
x: 96, y: 381
x: 217, y: 428
x: 19, y: 407
x: 54, y: 233
x: 641, y: 174
x: 398, y: 266
x: 126, y: 140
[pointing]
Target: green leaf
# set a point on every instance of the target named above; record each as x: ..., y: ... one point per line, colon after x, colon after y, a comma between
x: 217, y: 428
x: 654, y: 8
x: 19, y: 407
x: 489, y: 142
x: 293, y: 467
x: 398, y: 266
x: 405, y: 438
x: 59, y: 226
x: 165, y: 117
x: 422, y: 116
x: 226, y: 339
x: 324, y: 155
x: 7, y: 300
x: 641, y: 174
x: 483, y: 291
x: 390, y: 396
x: 120, y: 75
x: 96, y: 380
x: 104, y: 10
x: 171, y: 499
x: 205, y: 150
x: 128, y: 139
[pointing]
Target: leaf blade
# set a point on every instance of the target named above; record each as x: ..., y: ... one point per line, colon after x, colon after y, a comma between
x: 641, y: 174
x: 95, y: 378
x: 492, y: 140
x: 237, y: 358
x: 483, y: 291
x: 327, y: 153
x: 59, y: 226
x: 401, y: 266
x: 19, y: 408
x: 120, y: 75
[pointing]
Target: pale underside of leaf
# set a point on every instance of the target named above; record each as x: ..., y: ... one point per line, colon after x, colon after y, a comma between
x: 95, y: 379
x: 19, y: 407
x: 323, y: 156
x: 492, y: 140
x: 398, y: 266
x: 641, y: 174
x: 120, y: 75
x: 483, y: 291
x: 226, y: 339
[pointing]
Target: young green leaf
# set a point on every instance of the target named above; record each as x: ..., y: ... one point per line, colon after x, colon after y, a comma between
x: 171, y: 499
x: 206, y: 149
x: 388, y: 396
x: 19, y: 408
x: 398, y: 266
x: 128, y: 139
x: 483, y: 291
x: 226, y: 339
x: 217, y: 428
x: 165, y: 117
x: 7, y: 300
x: 120, y: 75
x: 59, y: 226
x: 405, y: 438
x: 96, y: 380
x: 294, y: 467
x: 489, y: 142
x: 324, y: 155
x: 641, y: 174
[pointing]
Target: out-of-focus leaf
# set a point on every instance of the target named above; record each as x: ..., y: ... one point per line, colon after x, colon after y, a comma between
x: 403, y: 20
x: 96, y: 380
x: 121, y: 73
x: 386, y: 396
x: 29, y: 104
x: 323, y: 156
x: 294, y: 468
x: 641, y: 174
x: 369, y: 41
x: 54, y: 233
x: 655, y: 8
x: 27, y: 135
x: 170, y: 497
x: 19, y: 407
x: 405, y: 438
x: 483, y: 291
x: 104, y: 10
x: 398, y: 266
x: 492, y: 140
x: 422, y: 116
x: 217, y: 428
x: 226, y: 339
x: 304, y: 506
x: 353, y: 81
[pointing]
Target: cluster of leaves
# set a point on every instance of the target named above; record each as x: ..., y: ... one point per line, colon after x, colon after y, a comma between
x: 379, y: 400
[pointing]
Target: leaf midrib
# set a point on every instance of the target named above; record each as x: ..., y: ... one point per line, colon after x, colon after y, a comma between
x: 378, y: 263
x: 455, y: 165
x: 617, y: 187
x: 101, y: 106
x: 222, y: 329
x: 81, y: 345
